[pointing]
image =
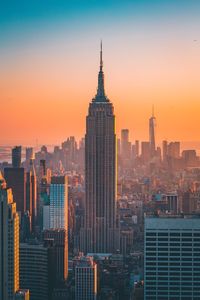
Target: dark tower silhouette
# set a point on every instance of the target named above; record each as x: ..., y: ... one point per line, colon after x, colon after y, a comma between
x: 16, y: 156
x: 152, y: 142
x: 100, y: 233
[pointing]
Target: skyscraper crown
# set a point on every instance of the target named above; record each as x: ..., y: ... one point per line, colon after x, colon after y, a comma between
x: 100, y: 95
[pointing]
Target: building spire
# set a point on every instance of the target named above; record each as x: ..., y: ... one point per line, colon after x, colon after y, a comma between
x: 100, y: 96
x: 101, y: 59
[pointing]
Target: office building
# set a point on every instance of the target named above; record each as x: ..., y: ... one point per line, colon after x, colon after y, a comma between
x: 16, y: 180
x: 59, y: 202
x: 145, y: 151
x: 137, y: 148
x: 85, y: 279
x: 37, y: 269
x: 125, y: 145
x: 172, y: 203
x: 9, y: 243
x: 173, y: 150
x: 29, y: 155
x: 172, y: 258
x: 16, y: 156
x: 100, y: 233
x: 152, y: 143
x: 31, y: 193
x: 60, y: 238
x: 164, y: 150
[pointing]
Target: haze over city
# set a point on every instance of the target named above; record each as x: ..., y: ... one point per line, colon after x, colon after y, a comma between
x: 49, y: 61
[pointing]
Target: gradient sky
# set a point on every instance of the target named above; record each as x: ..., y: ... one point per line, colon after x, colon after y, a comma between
x: 49, y: 59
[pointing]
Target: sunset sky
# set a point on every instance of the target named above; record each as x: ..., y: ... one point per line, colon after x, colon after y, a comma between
x: 49, y: 61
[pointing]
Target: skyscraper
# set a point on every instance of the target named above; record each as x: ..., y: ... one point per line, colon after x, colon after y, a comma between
x: 37, y: 269
x: 59, y: 203
x: 125, y: 145
x: 31, y: 193
x: 152, y: 142
x: 86, y: 279
x: 9, y: 244
x: 60, y: 241
x: 171, y: 260
x: 100, y: 233
x: 16, y: 156
x: 16, y: 180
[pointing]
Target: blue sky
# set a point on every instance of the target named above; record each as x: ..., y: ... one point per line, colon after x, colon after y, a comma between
x: 25, y: 17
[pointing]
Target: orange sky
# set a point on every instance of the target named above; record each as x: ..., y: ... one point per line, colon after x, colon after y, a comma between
x: 47, y: 81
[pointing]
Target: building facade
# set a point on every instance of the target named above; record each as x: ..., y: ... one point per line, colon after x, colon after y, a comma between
x: 172, y: 258
x: 36, y: 265
x: 9, y: 243
x: 16, y: 180
x: 86, y: 279
x: 59, y: 202
x: 60, y: 242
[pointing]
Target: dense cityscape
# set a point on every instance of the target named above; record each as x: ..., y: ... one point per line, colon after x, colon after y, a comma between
x: 101, y: 218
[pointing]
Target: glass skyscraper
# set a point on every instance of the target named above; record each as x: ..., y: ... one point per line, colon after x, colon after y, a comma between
x: 59, y: 202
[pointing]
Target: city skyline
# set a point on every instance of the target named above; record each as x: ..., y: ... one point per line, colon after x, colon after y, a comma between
x: 151, y: 54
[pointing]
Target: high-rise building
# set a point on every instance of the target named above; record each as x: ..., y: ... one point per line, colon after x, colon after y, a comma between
x: 31, y: 193
x: 173, y: 203
x: 174, y: 149
x: 59, y: 202
x: 189, y: 202
x: 145, y: 151
x: 29, y: 154
x: 100, y: 233
x: 125, y: 145
x: 86, y: 279
x: 60, y: 238
x: 152, y: 143
x: 16, y: 180
x: 171, y: 258
x: 22, y: 295
x: 164, y: 150
x: 16, y: 156
x: 190, y: 158
x: 37, y: 269
x: 137, y: 148
x: 9, y: 244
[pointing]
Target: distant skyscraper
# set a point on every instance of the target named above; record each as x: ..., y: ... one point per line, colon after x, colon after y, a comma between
x: 86, y: 279
x: 59, y: 203
x: 16, y: 156
x: 125, y: 145
x: 31, y: 192
x: 60, y: 238
x: 171, y: 260
x: 145, y: 151
x: 9, y: 244
x: 137, y: 146
x: 16, y: 180
x: 152, y: 142
x: 173, y: 150
x: 164, y: 150
x: 29, y: 154
x: 100, y: 233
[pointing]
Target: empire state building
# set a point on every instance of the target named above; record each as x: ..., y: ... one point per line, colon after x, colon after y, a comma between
x: 100, y: 232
